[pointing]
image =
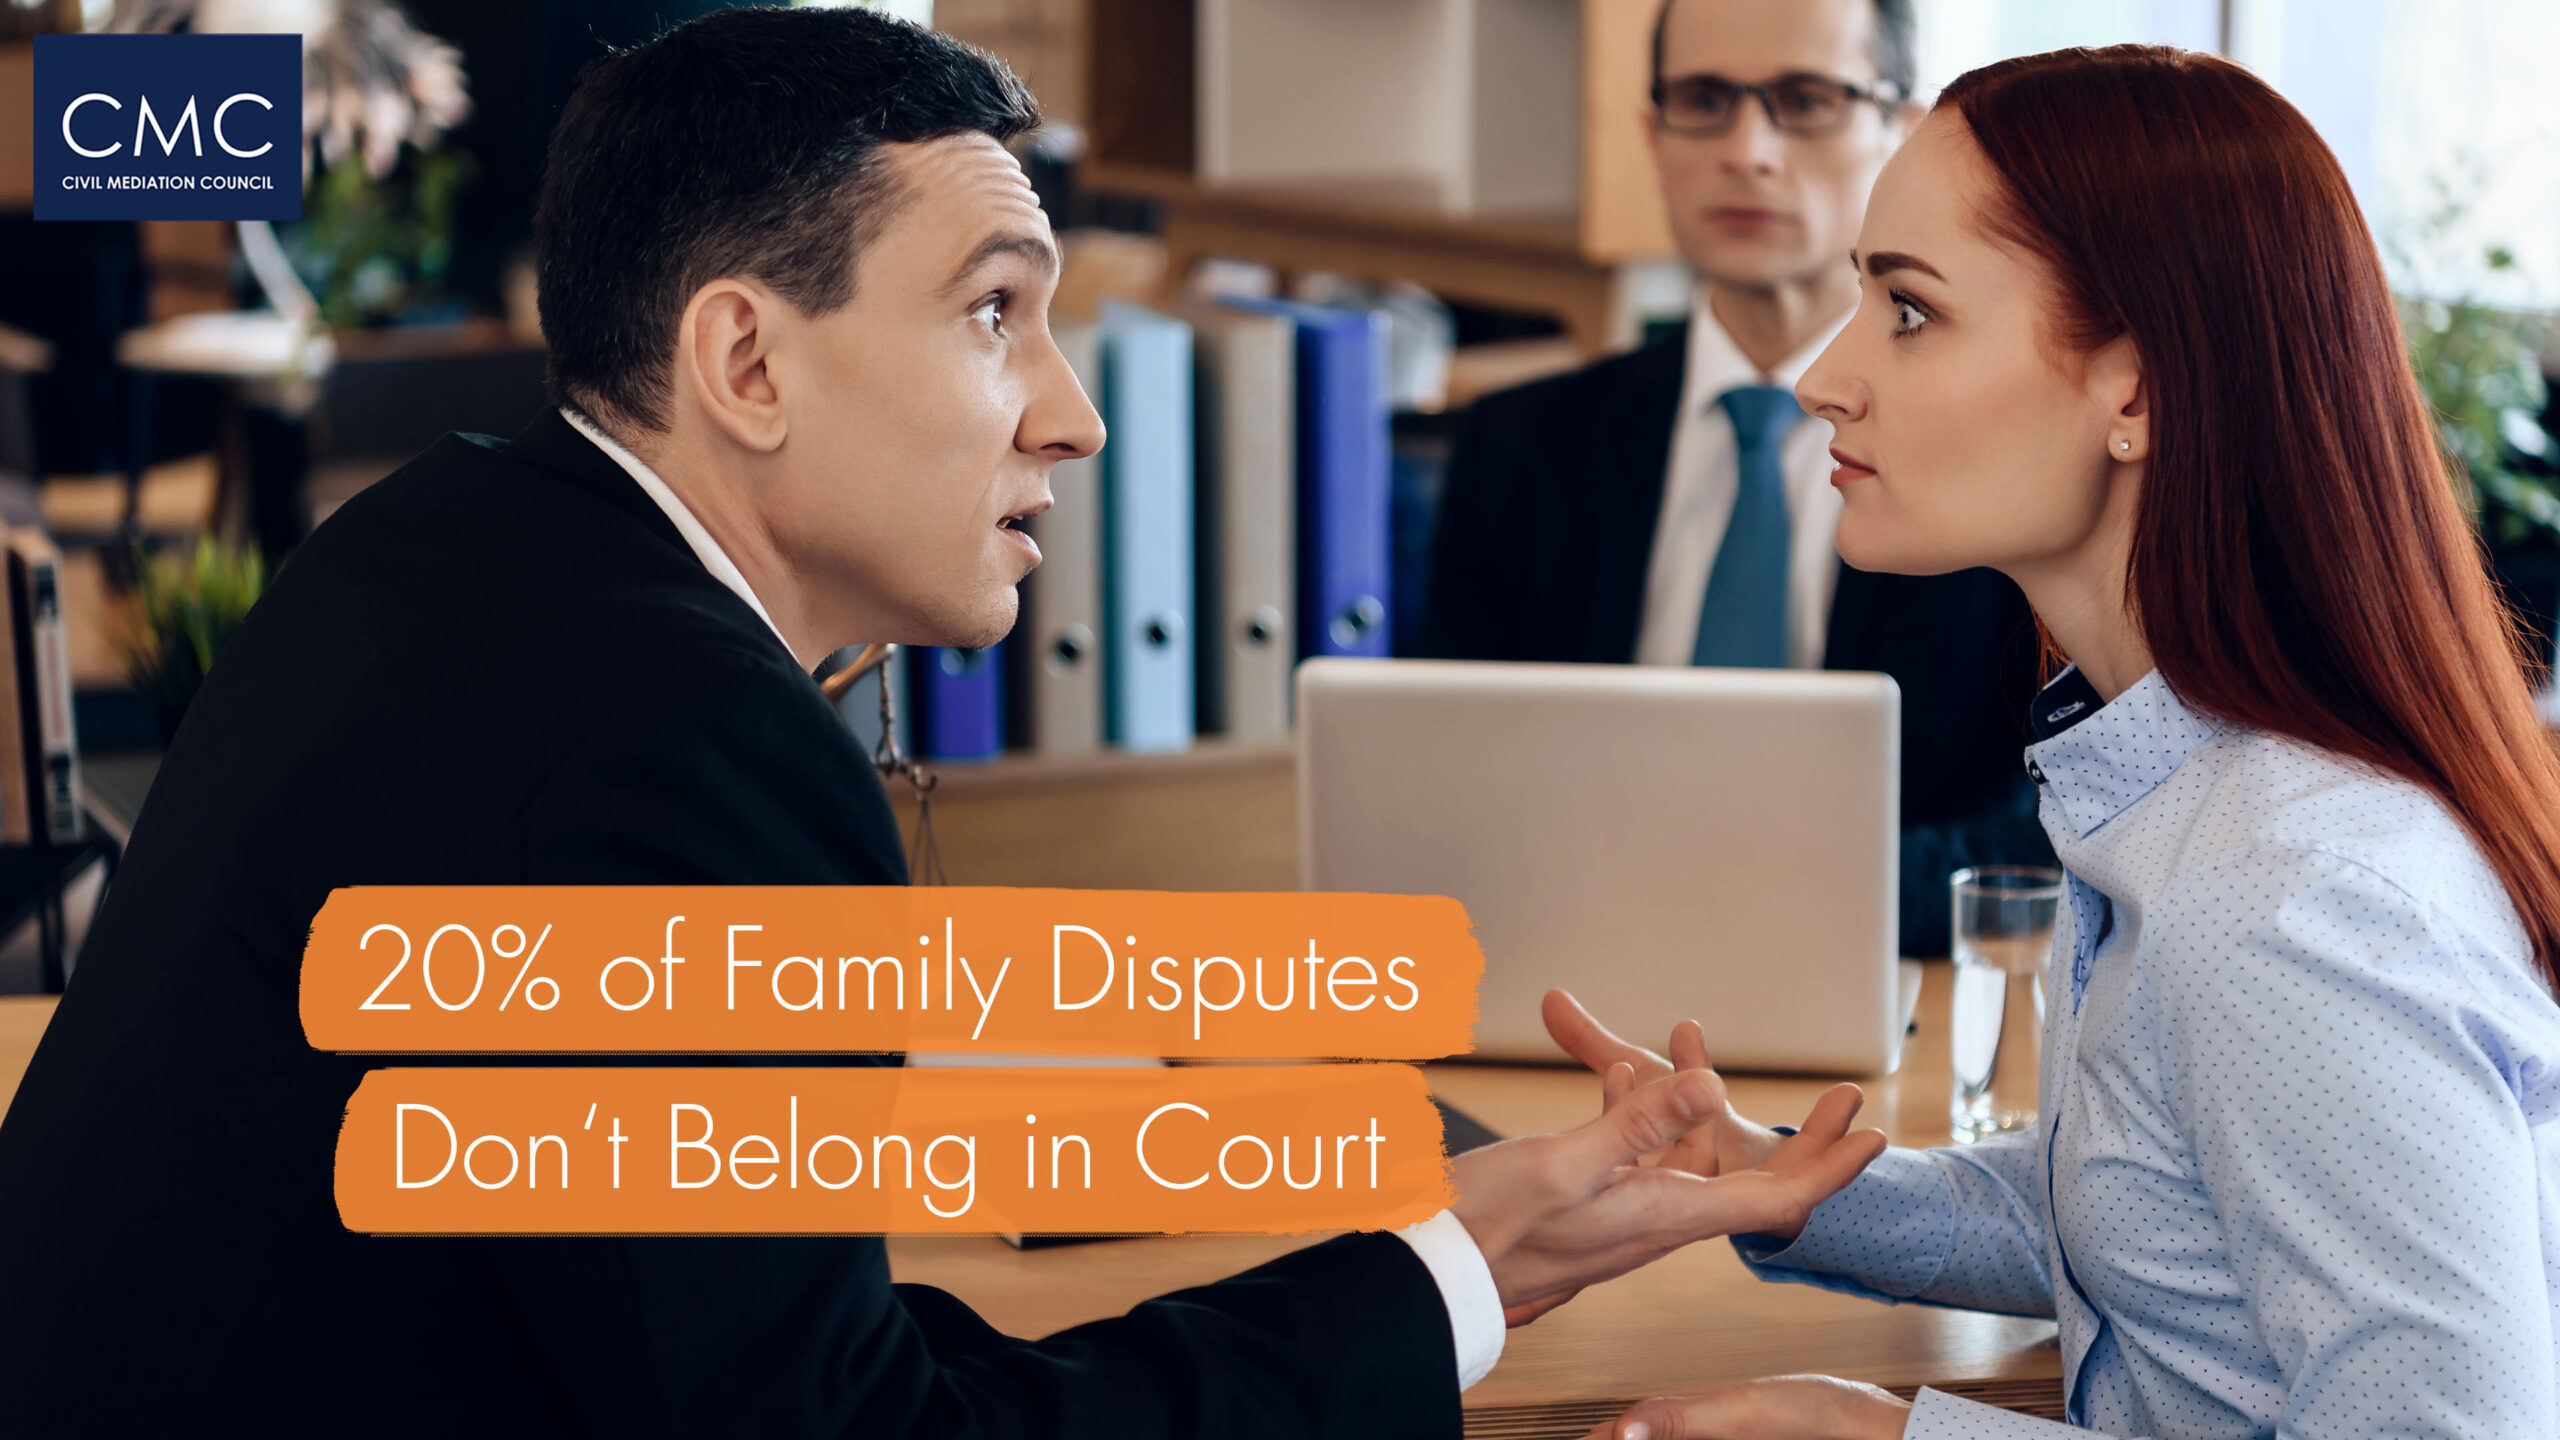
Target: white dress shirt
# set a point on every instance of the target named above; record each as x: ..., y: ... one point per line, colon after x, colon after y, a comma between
x: 1697, y: 501
x: 1441, y: 1242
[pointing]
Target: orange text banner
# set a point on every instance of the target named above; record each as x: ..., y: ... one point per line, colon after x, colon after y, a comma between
x: 676, y: 969
x: 876, y: 1150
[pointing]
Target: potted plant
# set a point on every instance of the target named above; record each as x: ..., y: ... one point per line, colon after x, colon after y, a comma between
x: 185, y: 610
x: 2481, y: 372
x: 378, y: 95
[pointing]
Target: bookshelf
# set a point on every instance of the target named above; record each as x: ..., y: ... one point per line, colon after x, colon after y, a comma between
x: 1490, y: 151
x: 1043, y: 40
x: 1510, y: 170
x: 1470, y: 102
x: 1381, y: 230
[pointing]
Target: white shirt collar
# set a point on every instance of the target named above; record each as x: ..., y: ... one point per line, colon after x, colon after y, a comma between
x: 1716, y: 364
x: 705, y: 549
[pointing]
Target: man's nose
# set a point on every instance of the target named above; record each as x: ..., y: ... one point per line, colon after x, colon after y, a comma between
x: 1061, y: 422
x: 1755, y: 143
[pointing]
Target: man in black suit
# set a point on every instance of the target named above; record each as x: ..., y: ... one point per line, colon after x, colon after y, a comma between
x: 1673, y: 505
x: 796, y: 292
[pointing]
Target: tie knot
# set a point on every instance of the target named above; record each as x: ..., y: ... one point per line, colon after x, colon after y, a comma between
x: 1762, y: 414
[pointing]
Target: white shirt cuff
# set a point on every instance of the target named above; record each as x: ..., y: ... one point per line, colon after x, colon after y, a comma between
x: 1937, y: 1415
x: 1466, y: 1288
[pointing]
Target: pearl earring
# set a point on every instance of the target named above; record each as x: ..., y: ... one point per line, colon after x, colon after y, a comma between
x: 2124, y: 444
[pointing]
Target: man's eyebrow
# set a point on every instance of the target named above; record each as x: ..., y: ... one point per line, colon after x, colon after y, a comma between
x: 1885, y: 262
x: 1008, y: 242
x: 1780, y: 78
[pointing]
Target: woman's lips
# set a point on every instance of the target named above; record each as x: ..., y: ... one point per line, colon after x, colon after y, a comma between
x: 1849, y: 470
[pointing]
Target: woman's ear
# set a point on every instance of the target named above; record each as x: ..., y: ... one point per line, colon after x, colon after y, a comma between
x: 2116, y: 383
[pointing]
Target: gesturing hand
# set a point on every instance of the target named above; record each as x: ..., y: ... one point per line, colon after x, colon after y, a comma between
x: 1722, y: 1143
x: 1553, y: 1213
x: 1787, y: 1407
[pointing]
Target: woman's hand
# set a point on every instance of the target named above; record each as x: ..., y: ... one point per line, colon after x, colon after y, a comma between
x: 1553, y: 1213
x: 1788, y: 1407
x: 1723, y: 1144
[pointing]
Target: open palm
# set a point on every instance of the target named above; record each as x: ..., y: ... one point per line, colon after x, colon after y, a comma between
x: 1724, y: 1143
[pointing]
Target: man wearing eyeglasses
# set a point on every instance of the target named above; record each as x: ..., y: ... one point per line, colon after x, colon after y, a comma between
x: 1672, y: 506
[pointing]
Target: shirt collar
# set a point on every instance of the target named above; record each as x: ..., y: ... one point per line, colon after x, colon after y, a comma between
x: 1716, y: 364
x: 2095, y: 760
x: 705, y: 549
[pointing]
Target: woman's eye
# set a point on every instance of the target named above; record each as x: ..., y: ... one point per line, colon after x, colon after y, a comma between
x: 990, y: 313
x: 1907, y: 317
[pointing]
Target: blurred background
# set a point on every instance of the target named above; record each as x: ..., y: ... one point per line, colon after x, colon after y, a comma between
x: 181, y: 402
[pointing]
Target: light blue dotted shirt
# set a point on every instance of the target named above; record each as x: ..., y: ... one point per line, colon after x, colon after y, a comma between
x: 2296, y: 1173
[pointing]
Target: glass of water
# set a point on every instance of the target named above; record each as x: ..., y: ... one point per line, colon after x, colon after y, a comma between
x: 2004, y: 918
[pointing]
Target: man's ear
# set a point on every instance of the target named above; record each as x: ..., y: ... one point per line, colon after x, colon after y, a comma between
x: 724, y: 349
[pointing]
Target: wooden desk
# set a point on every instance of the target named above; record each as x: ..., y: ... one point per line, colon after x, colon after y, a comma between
x: 22, y: 1022
x: 1222, y: 815
x: 1693, y: 1320
x: 1690, y: 1321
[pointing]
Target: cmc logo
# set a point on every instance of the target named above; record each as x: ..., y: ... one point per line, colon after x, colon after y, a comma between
x: 168, y: 138
x: 168, y: 127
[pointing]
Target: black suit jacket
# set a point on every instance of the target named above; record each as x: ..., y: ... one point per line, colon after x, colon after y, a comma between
x: 502, y: 666
x: 1546, y: 530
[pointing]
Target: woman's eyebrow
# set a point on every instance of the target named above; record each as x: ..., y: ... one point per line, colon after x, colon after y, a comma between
x: 1885, y: 262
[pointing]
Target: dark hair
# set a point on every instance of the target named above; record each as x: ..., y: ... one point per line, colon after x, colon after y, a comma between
x: 744, y: 143
x: 2301, y: 563
x: 1897, y: 44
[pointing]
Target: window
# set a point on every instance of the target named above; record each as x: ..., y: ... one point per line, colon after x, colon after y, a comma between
x: 2438, y: 110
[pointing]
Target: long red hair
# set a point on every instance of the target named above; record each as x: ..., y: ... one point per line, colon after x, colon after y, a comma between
x: 2301, y: 562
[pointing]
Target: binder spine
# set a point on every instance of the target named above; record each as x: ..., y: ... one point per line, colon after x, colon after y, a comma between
x: 1343, y: 493
x: 959, y: 702
x: 1248, y: 489
x: 1061, y: 659
x: 1147, y: 531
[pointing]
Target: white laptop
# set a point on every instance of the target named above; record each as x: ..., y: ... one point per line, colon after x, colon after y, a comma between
x: 1666, y: 843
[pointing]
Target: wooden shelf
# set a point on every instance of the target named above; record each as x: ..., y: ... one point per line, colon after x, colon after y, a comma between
x: 1399, y: 210
x: 1385, y: 231
x: 1481, y: 97
x: 1018, y: 771
x: 1575, y: 262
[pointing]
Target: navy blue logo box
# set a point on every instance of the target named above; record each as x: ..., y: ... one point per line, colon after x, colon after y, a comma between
x: 168, y: 127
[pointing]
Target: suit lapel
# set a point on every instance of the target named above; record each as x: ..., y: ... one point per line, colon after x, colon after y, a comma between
x: 554, y: 445
x: 1631, y: 450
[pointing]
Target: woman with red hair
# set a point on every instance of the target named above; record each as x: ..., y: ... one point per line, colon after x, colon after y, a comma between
x: 2124, y: 337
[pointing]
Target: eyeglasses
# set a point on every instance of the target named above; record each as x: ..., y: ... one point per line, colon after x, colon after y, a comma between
x: 1810, y: 106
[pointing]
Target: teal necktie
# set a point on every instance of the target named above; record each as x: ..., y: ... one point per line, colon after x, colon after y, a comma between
x: 1744, y: 618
